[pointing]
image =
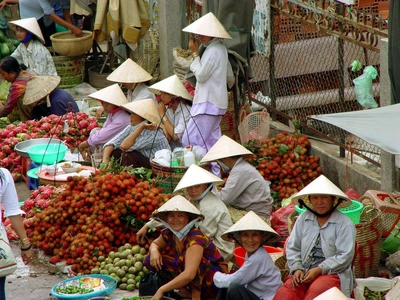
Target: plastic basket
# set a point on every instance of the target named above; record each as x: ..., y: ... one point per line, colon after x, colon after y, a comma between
x: 254, y: 126
x: 109, y: 282
x: 353, y: 211
x: 169, y: 177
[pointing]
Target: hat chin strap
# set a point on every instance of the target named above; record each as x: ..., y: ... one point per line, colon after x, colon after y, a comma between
x: 301, y: 202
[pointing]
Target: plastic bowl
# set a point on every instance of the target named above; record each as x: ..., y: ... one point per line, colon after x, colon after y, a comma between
x: 240, y: 253
x: 74, y: 167
x: 47, y: 153
x: 21, y: 147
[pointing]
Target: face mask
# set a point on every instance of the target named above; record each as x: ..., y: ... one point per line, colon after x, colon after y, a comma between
x: 224, y: 167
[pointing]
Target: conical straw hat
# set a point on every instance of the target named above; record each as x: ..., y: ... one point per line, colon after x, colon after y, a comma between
x: 177, y: 203
x: 39, y: 87
x: 145, y: 108
x: 332, y: 294
x: 196, y: 175
x: 208, y: 25
x: 324, y: 186
x: 251, y: 221
x: 171, y: 85
x: 29, y: 24
x: 129, y: 72
x: 225, y: 147
x: 111, y: 94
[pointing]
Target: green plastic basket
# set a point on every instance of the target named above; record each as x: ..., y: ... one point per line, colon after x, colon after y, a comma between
x: 353, y: 211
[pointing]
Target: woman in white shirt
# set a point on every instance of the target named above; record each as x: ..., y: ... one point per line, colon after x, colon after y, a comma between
x: 173, y: 108
x: 31, y: 51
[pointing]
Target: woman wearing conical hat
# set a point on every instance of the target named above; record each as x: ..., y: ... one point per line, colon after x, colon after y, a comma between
x: 212, y: 70
x: 245, y: 189
x: 42, y: 92
x: 320, y: 248
x: 258, y: 277
x: 31, y: 51
x: 173, y: 108
x: 194, y: 259
x: 139, y: 141
x: 111, y: 99
x: 134, y: 78
x: 199, y: 185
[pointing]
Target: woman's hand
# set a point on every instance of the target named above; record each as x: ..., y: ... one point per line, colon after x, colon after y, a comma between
x: 151, y: 126
x: 76, y: 31
x: 27, y: 256
x: 156, y: 259
x: 193, y: 46
x: 84, y: 150
x: 312, y: 274
x: 159, y: 294
x: 161, y: 109
x: 141, y: 234
x: 297, y: 277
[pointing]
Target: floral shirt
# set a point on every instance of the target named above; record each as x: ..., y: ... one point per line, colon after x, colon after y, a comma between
x: 36, y: 58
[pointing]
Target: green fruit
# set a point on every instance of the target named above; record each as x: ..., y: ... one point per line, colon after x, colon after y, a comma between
x: 105, y: 272
x: 2, y: 36
x: 12, y: 48
x: 138, y: 265
x: 135, y: 249
x: 121, y: 249
x: 95, y: 271
x: 101, y: 258
x: 138, y: 278
x: 116, y: 260
x: 102, y: 265
x: 123, y: 286
x: 121, y: 263
x: 112, y: 270
x: 130, y: 287
x: 125, y: 268
x: 145, y: 270
x: 132, y: 270
x: 137, y: 285
x: 141, y: 273
x: 130, y: 256
x: 128, y: 263
x: 4, y: 50
x: 128, y: 246
x: 108, y: 266
x: 131, y: 281
x: 109, y: 260
x: 112, y: 254
x: 133, y: 260
x: 130, y: 276
x: 143, y: 251
x: 139, y: 257
x: 124, y: 279
x: 121, y: 273
x: 117, y: 255
x: 123, y: 255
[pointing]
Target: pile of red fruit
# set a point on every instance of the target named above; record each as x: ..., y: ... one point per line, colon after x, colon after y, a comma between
x: 283, y: 161
x: 94, y: 216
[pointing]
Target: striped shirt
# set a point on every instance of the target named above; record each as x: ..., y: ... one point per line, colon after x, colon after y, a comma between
x: 147, y: 143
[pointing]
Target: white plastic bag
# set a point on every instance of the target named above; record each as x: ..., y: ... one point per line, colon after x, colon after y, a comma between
x: 374, y: 284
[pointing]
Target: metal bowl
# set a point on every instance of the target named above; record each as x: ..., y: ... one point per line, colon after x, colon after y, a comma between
x: 21, y: 147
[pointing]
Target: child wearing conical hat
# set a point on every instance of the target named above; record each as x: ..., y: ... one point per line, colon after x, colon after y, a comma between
x: 139, y: 141
x: 212, y: 71
x: 111, y: 99
x: 258, y: 277
x: 245, y: 189
x: 31, y: 51
x: 173, y: 108
x: 194, y: 259
x: 320, y: 248
x: 199, y: 185
x: 133, y: 77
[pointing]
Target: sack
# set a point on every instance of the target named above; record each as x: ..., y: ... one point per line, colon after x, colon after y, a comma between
x: 363, y: 90
x: 254, y: 126
x: 377, y: 287
x: 150, y: 283
x: 8, y: 264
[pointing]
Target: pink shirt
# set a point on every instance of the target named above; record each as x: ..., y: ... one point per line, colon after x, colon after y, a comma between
x: 115, y: 123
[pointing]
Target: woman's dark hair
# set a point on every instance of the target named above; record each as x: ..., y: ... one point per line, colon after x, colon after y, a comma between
x: 10, y: 64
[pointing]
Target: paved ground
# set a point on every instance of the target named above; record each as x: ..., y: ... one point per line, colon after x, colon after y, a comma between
x: 34, y: 282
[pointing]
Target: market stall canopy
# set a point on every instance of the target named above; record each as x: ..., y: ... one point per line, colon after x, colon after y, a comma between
x: 378, y: 126
x: 128, y: 18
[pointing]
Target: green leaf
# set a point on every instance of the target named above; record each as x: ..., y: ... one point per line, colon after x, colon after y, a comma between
x: 283, y: 149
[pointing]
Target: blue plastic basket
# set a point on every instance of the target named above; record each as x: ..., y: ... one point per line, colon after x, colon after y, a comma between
x: 353, y: 211
x: 109, y: 282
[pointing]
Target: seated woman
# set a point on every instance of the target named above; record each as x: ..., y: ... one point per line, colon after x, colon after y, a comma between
x: 258, y: 277
x: 140, y: 140
x: 195, y: 258
x: 198, y: 183
x: 173, y: 109
x: 111, y: 99
x: 42, y: 92
x: 320, y: 248
x: 245, y: 189
x: 12, y: 71
x: 31, y: 51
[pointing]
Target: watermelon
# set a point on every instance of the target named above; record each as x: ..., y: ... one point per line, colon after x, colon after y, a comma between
x: 4, y: 50
x: 2, y: 36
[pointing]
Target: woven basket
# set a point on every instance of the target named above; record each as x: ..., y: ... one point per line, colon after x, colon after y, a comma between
x: 291, y: 220
x: 281, y: 264
x: 70, y: 69
x: 253, y: 126
x: 169, y: 177
x: 51, y: 182
x: 65, y: 43
x: 368, y: 237
x: 148, y: 53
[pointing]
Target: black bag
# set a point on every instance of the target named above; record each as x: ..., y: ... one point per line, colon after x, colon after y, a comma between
x: 150, y: 283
